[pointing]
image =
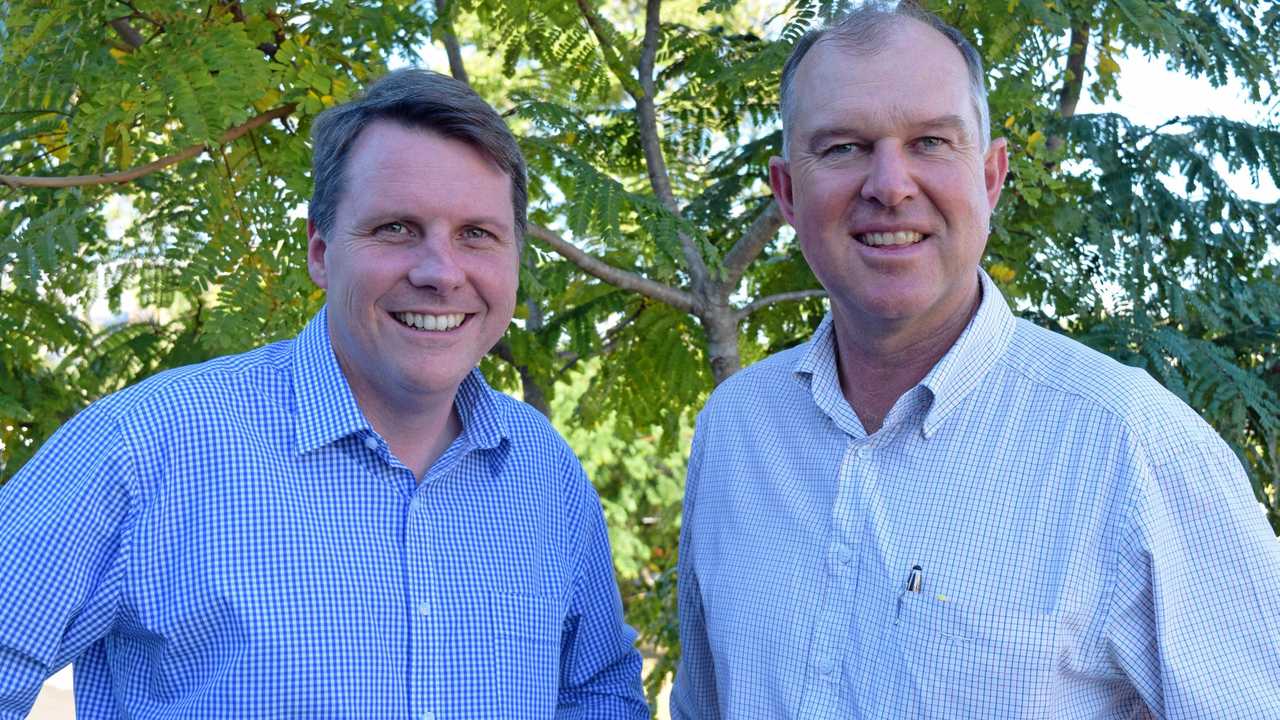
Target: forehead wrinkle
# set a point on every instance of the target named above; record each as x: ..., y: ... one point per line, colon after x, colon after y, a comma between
x: 847, y: 111
x: 833, y: 51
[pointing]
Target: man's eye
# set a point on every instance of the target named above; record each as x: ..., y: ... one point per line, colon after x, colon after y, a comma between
x: 393, y: 228
x: 841, y: 149
x: 930, y: 143
x: 475, y: 233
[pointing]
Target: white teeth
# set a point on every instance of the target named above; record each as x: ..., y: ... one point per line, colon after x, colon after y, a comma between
x: 430, y: 322
x: 880, y: 239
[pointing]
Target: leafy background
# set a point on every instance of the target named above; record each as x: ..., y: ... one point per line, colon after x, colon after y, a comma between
x: 154, y: 162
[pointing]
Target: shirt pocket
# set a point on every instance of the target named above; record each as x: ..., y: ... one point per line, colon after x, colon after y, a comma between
x: 526, y: 655
x: 970, y: 661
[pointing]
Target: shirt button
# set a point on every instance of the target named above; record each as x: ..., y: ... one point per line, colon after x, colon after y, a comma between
x: 862, y: 452
x: 844, y: 553
x: 371, y: 442
x: 827, y: 665
x: 424, y: 609
x: 428, y: 716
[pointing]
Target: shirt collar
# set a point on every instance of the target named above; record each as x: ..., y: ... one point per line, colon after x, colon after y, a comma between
x: 977, y: 349
x: 818, y: 363
x: 327, y: 408
x: 483, y: 421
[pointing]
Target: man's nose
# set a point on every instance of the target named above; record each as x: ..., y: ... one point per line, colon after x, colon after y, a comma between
x: 889, y: 181
x: 435, y: 266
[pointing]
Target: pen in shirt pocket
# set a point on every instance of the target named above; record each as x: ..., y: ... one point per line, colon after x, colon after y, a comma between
x: 915, y: 582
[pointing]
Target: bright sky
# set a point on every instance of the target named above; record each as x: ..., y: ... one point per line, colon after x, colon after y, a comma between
x: 1150, y: 94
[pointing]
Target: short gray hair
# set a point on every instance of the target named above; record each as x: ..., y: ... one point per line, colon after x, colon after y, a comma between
x: 862, y: 32
x: 418, y: 99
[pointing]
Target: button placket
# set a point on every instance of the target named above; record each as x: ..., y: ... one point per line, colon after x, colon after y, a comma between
x: 423, y: 630
x: 833, y: 624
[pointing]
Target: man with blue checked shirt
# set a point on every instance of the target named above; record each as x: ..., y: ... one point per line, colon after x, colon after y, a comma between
x: 933, y: 509
x: 347, y: 524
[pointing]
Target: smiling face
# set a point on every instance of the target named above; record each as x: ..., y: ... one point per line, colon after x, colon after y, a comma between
x: 886, y: 185
x: 421, y: 266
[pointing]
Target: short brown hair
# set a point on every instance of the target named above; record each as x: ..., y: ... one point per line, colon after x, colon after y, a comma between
x: 419, y: 99
x: 863, y: 31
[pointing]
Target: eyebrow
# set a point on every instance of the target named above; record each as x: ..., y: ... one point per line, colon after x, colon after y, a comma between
x: 946, y: 122
x: 949, y: 121
x: 820, y: 136
x: 491, y: 221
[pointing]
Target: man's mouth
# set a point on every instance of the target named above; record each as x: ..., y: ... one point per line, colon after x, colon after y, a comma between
x: 435, y: 323
x: 890, y: 239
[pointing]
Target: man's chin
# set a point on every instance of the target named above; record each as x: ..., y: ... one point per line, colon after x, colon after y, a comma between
x: 435, y: 381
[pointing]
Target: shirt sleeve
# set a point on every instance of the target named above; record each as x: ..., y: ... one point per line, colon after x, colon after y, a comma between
x: 1195, y: 620
x: 600, y: 666
x: 694, y: 691
x: 63, y: 544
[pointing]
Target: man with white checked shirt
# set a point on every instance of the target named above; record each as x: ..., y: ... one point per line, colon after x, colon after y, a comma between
x: 347, y: 524
x: 933, y: 509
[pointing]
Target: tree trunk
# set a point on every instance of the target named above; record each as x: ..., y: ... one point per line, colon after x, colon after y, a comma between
x: 721, y: 325
x: 1073, y: 82
x: 534, y: 394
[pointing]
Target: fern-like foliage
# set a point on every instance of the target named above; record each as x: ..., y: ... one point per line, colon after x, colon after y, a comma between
x: 1160, y: 263
x: 205, y: 252
x: 1130, y: 238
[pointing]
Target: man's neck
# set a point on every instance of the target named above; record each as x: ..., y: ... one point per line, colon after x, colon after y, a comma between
x: 418, y: 429
x: 419, y: 441
x: 878, y: 364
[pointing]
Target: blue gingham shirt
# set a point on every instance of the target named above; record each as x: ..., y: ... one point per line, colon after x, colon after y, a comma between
x: 233, y: 539
x: 1088, y: 547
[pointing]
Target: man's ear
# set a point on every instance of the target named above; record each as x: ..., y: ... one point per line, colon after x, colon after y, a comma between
x: 995, y: 167
x: 780, y: 182
x: 316, y: 247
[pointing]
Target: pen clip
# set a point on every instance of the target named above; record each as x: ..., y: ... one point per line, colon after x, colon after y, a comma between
x: 915, y: 581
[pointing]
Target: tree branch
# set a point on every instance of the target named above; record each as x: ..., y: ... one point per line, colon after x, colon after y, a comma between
x: 752, y: 242
x: 615, y: 276
x: 139, y: 14
x: 451, y: 47
x: 1070, y: 93
x: 127, y: 33
x: 1069, y: 96
x: 768, y: 300
x: 611, y: 340
x: 647, y: 113
x: 611, y: 59
x: 132, y: 174
x: 42, y: 155
x: 533, y: 393
x: 651, y: 143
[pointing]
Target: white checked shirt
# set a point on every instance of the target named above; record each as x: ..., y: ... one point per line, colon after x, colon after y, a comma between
x: 233, y: 540
x: 1087, y: 546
